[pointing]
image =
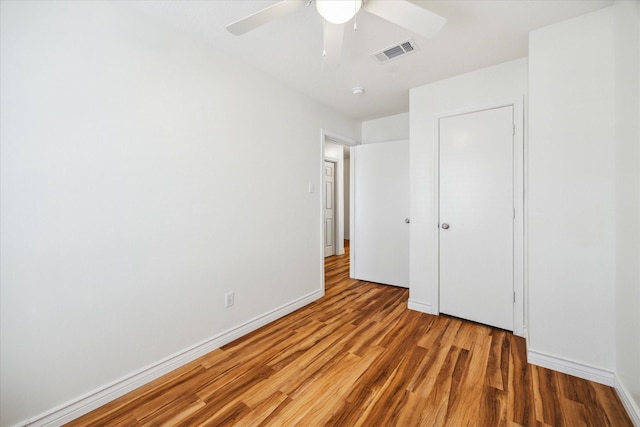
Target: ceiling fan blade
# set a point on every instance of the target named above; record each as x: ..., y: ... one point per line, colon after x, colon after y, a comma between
x: 265, y: 16
x: 407, y: 15
x: 332, y: 50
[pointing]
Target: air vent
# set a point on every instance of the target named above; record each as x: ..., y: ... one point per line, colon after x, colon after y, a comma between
x: 396, y: 51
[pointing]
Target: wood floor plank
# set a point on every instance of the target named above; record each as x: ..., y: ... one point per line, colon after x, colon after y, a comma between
x: 498, y: 362
x: 545, y: 396
x: 315, y: 397
x: 521, y: 401
x: 609, y: 403
x: 442, y: 333
x: 427, y: 374
x: 265, y: 409
x: 174, y: 417
x: 470, y: 390
x: 359, y: 357
x: 303, y: 369
x: 493, y: 407
x: 393, y: 396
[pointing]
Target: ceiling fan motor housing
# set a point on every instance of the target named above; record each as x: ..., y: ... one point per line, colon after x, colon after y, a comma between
x: 338, y: 12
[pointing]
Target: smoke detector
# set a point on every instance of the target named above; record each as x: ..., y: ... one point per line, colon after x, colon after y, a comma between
x: 357, y: 91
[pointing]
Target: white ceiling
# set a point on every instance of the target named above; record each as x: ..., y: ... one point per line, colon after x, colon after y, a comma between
x: 478, y: 33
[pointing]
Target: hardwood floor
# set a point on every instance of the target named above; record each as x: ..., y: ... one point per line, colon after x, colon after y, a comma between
x: 359, y: 357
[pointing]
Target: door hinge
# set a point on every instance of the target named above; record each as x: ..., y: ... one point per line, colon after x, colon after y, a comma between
x: 514, y: 297
x: 514, y: 128
x: 514, y: 213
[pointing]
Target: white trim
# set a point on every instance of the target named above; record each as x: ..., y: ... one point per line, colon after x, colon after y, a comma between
x: 525, y: 333
x: 519, y: 232
x: 320, y: 202
x: 577, y: 369
x: 352, y: 214
x: 105, y: 394
x: 419, y: 306
x: 391, y: 141
x: 328, y: 135
x: 435, y: 217
x: 627, y: 401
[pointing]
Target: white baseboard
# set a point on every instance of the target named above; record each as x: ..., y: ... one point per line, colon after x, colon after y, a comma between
x: 627, y: 401
x: 420, y: 306
x: 577, y: 369
x: 105, y: 394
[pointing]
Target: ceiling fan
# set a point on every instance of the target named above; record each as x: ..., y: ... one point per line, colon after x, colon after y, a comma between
x: 337, y: 13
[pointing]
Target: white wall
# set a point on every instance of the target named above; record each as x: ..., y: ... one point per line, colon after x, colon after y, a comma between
x: 390, y: 128
x: 627, y: 181
x: 572, y: 192
x: 469, y: 90
x: 142, y: 177
x: 336, y: 152
x: 583, y: 190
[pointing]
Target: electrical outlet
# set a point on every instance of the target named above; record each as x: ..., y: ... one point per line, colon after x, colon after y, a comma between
x: 228, y: 299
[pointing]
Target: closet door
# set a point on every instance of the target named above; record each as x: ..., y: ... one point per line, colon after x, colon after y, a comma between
x: 477, y: 216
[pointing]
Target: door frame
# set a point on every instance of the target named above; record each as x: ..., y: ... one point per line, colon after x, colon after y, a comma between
x: 520, y: 313
x: 326, y: 135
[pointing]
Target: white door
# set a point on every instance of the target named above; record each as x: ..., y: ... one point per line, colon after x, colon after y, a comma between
x: 329, y: 208
x: 477, y: 216
x: 380, y: 229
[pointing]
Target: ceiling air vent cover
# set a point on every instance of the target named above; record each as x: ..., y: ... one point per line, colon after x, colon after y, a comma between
x: 396, y: 51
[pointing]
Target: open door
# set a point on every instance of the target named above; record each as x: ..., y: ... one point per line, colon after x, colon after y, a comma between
x: 380, y: 228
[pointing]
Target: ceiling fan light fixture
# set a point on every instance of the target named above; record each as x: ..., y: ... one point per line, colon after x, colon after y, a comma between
x: 338, y: 11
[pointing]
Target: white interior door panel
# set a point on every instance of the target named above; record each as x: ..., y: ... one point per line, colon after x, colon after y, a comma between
x: 380, y: 244
x: 477, y: 216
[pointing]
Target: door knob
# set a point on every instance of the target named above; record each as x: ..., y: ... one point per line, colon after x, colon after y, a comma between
x: 407, y: 220
x: 445, y: 226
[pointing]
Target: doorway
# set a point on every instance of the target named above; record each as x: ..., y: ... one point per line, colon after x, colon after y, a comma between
x: 335, y: 148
